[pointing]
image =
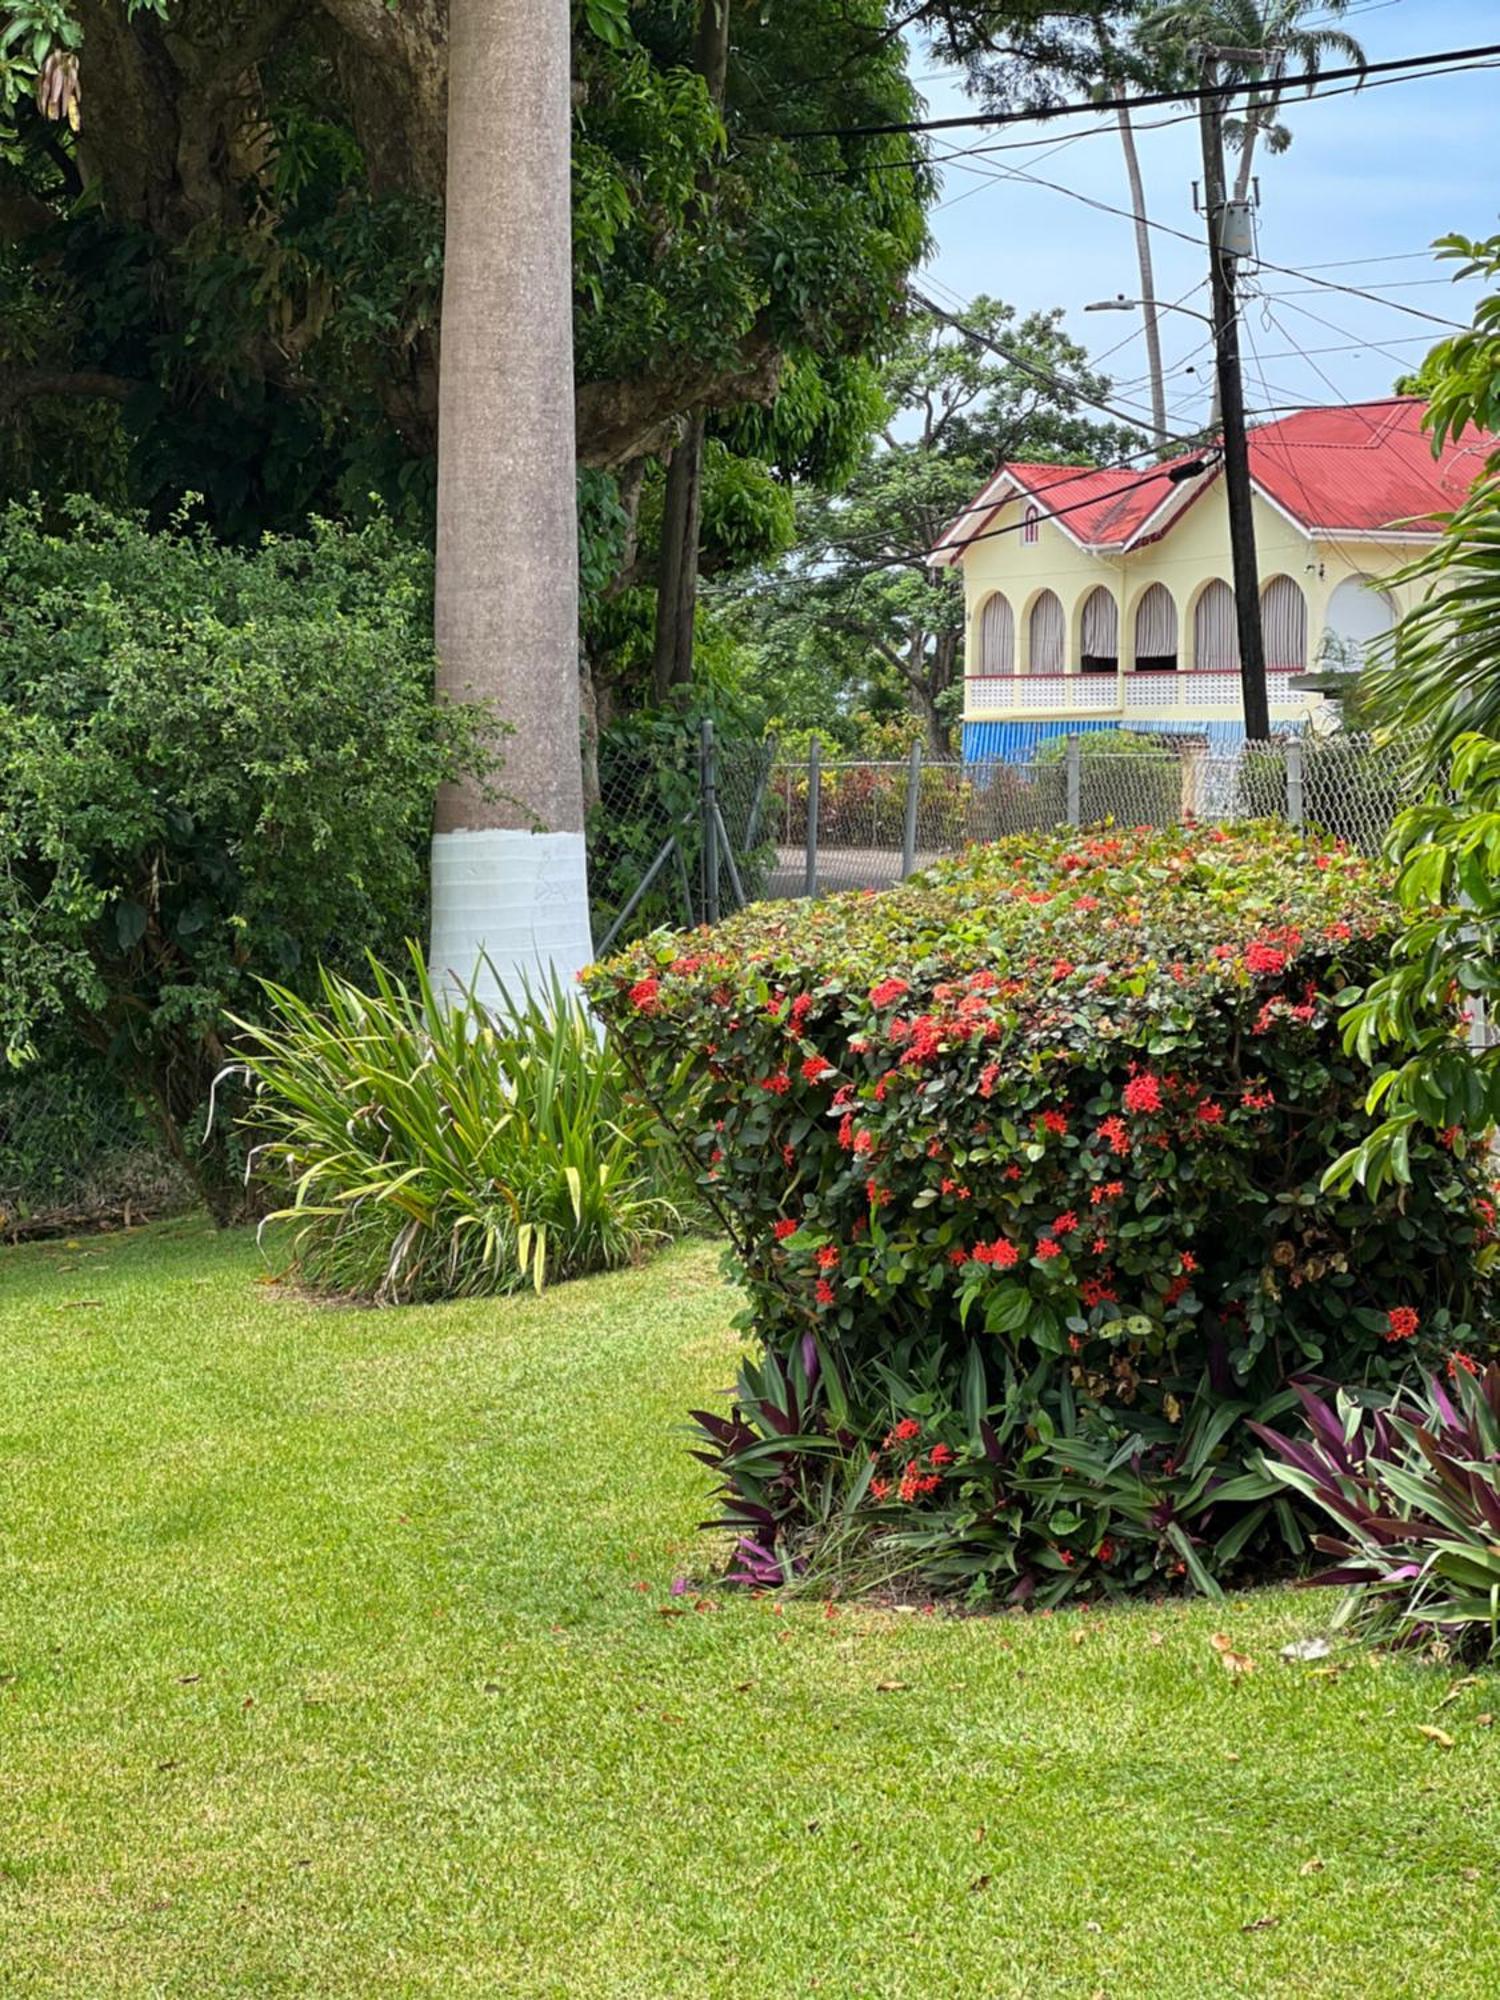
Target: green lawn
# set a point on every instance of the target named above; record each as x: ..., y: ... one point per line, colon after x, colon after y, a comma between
x: 326, y: 1669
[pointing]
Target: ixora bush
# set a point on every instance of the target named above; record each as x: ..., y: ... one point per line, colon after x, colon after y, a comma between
x: 1022, y: 1163
x: 433, y: 1150
x: 1413, y: 1489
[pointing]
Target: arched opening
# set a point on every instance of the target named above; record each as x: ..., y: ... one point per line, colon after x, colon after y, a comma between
x: 997, y: 637
x: 1283, y: 619
x: 1031, y: 525
x: 1048, y: 634
x: 1216, y: 637
x: 1359, y: 612
x: 1101, y: 632
x: 1156, y: 632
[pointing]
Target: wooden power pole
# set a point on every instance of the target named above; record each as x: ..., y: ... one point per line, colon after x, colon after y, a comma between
x: 1221, y: 259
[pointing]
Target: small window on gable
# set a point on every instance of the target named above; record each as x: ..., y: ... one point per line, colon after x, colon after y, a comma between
x: 1031, y: 529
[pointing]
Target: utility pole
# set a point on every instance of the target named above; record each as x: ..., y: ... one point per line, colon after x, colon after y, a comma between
x: 1221, y: 260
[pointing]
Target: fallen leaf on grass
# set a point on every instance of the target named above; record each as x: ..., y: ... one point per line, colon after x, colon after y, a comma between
x: 186, y: 1680
x: 1157, y: 1638
x: 890, y: 1687
x: 979, y: 1882
x: 743, y: 1687
x: 1435, y: 1735
x: 1078, y: 1636
x: 1312, y: 1867
x: 1232, y: 1662
x: 1231, y: 1756
x: 1261, y: 1924
x: 1484, y: 1721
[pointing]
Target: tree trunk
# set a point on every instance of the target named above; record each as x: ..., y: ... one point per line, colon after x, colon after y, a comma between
x: 508, y: 873
x: 1147, y: 280
x: 677, y: 572
x: 677, y: 582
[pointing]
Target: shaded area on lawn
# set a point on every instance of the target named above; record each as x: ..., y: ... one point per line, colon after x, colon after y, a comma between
x: 324, y: 1668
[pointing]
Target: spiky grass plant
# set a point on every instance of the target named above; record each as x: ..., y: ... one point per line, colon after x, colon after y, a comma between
x: 428, y: 1148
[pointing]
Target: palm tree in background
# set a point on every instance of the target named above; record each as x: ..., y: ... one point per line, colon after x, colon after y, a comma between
x: 1168, y: 36
x: 509, y: 884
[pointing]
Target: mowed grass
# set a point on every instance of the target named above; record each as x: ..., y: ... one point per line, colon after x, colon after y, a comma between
x: 328, y: 1670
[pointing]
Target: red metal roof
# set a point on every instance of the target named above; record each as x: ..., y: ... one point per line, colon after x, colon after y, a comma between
x: 1356, y: 470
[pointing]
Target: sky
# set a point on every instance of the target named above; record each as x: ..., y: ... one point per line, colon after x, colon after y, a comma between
x: 1373, y: 176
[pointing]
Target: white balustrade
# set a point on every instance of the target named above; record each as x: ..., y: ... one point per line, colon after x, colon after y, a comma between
x: 1210, y: 693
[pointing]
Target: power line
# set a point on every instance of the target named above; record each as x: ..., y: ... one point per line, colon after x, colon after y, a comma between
x: 1149, y: 99
x: 1184, y: 236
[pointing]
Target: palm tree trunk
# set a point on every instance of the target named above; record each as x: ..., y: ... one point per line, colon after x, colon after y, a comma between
x: 1147, y: 280
x: 508, y: 874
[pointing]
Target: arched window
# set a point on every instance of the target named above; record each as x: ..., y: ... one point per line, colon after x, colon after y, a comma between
x: 1283, y: 617
x: 997, y: 637
x: 1031, y: 527
x: 1156, y: 631
x: 1049, y: 642
x: 1216, y: 638
x: 1101, y: 632
x: 1359, y: 611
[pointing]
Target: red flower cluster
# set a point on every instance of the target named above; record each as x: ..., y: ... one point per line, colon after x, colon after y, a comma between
x: 1053, y: 1122
x: 1402, y: 1322
x: 888, y: 992
x: 1065, y: 1224
x: 778, y: 1085
x: 1047, y: 1249
x: 1458, y: 1359
x: 827, y: 1258
x: 902, y: 1433
x: 824, y: 1293
x: 1000, y: 1253
x: 644, y: 995
x: 816, y: 1067
x: 786, y: 1227
x: 1142, y: 1093
x: 1116, y: 1135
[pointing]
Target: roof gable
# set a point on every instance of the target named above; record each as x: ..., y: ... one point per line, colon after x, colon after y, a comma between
x: 1363, y: 469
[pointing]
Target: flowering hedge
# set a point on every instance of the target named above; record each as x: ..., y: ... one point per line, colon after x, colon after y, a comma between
x: 1022, y: 1161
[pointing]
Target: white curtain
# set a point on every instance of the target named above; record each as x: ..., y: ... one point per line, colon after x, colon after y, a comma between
x: 997, y: 636
x: 1216, y: 639
x: 1283, y: 616
x: 1156, y: 625
x: 1101, y: 625
x: 1049, y: 644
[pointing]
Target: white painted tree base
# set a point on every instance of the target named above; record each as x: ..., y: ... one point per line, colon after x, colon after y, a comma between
x: 518, y: 899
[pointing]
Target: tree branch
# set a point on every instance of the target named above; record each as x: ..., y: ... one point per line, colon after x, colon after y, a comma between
x: 24, y: 385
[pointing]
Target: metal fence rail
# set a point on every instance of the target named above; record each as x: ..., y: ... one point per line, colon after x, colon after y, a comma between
x: 721, y: 824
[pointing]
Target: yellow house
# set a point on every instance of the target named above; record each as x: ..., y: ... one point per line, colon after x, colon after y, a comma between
x: 1101, y: 598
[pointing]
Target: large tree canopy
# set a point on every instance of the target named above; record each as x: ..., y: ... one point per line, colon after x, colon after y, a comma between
x: 233, y: 265
x: 221, y: 233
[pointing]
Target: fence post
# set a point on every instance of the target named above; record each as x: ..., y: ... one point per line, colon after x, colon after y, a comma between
x: 814, y: 786
x: 909, y: 826
x: 1295, y: 808
x: 1075, y: 780
x: 708, y: 780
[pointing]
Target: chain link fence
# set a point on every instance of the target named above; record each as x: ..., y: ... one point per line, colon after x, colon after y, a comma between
x: 686, y: 834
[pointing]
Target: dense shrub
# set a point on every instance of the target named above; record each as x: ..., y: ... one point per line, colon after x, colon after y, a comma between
x: 1413, y: 1490
x: 75, y: 1153
x: 1022, y: 1162
x: 214, y: 764
x: 431, y: 1150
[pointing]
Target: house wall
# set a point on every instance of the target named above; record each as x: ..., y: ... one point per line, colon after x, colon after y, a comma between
x: 1194, y: 551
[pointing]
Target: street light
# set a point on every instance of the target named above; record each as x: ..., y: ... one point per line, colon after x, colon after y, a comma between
x: 1120, y: 304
